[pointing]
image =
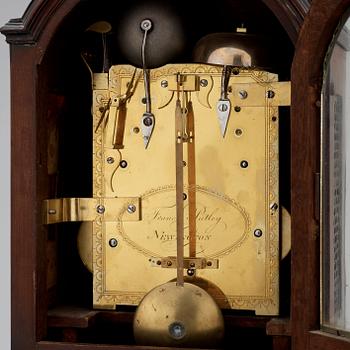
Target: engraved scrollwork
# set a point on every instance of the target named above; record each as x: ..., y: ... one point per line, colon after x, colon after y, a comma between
x: 231, y: 203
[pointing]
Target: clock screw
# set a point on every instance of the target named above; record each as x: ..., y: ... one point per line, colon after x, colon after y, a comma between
x: 258, y: 233
x: 223, y: 107
x: 203, y: 82
x: 146, y: 24
x: 237, y: 109
x: 164, y: 84
x: 177, y: 330
x: 131, y: 208
x: 113, y: 242
x: 169, y: 263
x: 270, y: 94
x: 100, y: 209
x: 190, y: 272
x: 209, y: 263
x: 238, y: 132
x: 123, y: 164
x: 192, y: 264
x: 184, y: 195
x: 274, y: 206
x: 147, y: 121
x: 244, y: 164
x: 110, y: 160
x: 243, y: 94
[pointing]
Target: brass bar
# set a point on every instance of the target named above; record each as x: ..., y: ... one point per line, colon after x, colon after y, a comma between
x: 256, y: 94
x: 111, y: 125
x: 179, y: 194
x: 88, y: 209
x: 191, y: 164
x: 188, y: 82
x: 120, y: 127
x: 170, y: 262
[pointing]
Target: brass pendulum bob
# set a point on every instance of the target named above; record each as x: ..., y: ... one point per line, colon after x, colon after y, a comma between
x: 178, y: 313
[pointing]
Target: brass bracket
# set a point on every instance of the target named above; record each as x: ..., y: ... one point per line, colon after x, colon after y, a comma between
x: 170, y: 262
x: 186, y: 82
x: 90, y: 209
x: 256, y: 95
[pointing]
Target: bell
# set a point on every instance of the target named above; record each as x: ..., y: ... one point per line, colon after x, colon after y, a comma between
x: 180, y: 316
x: 234, y: 49
x: 165, y: 41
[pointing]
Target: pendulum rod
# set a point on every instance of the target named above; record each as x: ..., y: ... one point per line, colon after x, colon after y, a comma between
x: 191, y: 168
x: 179, y: 117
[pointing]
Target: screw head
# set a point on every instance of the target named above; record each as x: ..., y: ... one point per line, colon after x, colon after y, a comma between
x: 209, y: 263
x: 203, y: 82
x: 110, y: 160
x: 169, y: 263
x: 113, y: 242
x: 244, y: 164
x: 164, y: 84
x: 190, y: 272
x: 238, y: 132
x: 184, y: 196
x: 147, y: 121
x: 192, y: 264
x: 146, y: 24
x: 258, y: 233
x: 136, y: 130
x: 274, y: 206
x: 177, y: 330
x: 123, y: 164
x: 243, y: 94
x: 237, y: 109
x: 131, y: 208
x: 270, y: 94
x: 159, y: 262
x: 235, y: 71
x: 100, y: 209
x: 223, y: 107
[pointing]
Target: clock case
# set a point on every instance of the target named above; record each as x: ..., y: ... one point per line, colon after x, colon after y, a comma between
x: 51, y: 93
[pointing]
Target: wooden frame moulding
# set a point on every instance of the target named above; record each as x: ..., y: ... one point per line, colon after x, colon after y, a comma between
x: 307, y: 74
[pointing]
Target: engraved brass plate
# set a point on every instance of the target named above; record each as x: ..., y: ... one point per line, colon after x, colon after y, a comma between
x: 237, y: 200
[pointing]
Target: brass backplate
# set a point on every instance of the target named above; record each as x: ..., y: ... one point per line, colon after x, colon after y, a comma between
x: 237, y: 199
